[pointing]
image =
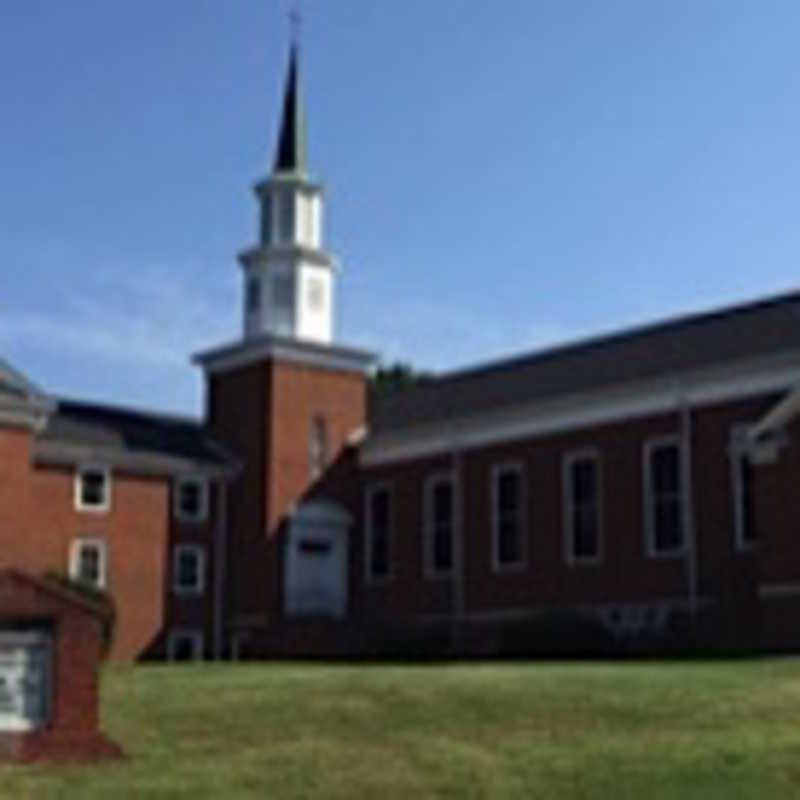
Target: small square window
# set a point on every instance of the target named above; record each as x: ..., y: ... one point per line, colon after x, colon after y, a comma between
x: 191, y: 500
x: 88, y: 563
x: 93, y: 489
x: 189, y: 568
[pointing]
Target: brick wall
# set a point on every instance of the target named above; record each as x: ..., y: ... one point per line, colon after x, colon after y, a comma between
x: 726, y: 576
x: 38, y: 523
x: 263, y: 412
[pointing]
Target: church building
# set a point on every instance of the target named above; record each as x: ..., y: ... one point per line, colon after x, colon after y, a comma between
x: 630, y: 493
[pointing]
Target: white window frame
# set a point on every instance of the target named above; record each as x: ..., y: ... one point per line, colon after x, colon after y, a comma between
x: 198, y: 642
x: 75, y: 555
x: 371, y: 490
x: 202, y: 514
x: 568, y: 461
x: 656, y: 443
x: 200, y: 554
x: 497, y: 471
x: 737, y: 452
x: 82, y: 469
x: 429, y: 524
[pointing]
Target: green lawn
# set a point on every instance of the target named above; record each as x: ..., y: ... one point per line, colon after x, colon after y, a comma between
x: 687, y: 730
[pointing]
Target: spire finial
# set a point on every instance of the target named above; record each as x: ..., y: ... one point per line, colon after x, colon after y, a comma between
x: 296, y: 23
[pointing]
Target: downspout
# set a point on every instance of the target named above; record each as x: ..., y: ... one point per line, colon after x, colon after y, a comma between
x: 220, y: 567
x: 688, y: 500
x: 457, y: 584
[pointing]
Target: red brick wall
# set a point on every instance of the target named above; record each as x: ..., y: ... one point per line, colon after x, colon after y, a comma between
x: 625, y: 574
x: 38, y: 523
x: 264, y: 413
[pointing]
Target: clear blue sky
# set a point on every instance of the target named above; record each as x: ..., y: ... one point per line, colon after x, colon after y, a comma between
x: 501, y: 175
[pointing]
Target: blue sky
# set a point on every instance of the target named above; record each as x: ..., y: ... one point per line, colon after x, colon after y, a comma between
x: 501, y: 176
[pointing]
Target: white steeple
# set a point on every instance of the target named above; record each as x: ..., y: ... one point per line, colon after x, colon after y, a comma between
x: 289, y: 278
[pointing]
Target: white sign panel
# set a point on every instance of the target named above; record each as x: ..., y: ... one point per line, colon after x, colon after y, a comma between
x: 24, y: 681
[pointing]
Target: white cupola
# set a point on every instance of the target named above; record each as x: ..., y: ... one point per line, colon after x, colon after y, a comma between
x: 288, y: 278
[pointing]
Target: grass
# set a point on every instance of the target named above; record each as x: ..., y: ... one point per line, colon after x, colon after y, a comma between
x: 639, y: 730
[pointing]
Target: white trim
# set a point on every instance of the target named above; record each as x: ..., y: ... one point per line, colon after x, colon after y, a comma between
x: 202, y: 513
x: 298, y: 352
x: 105, y: 506
x: 368, y: 493
x: 102, y: 561
x: 199, y: 553
x: 189, y: 633
x: 572, y: 412
x: 429, y: 524
x: 654, y: 443
x: 569, y: 459
x: 497, y: 471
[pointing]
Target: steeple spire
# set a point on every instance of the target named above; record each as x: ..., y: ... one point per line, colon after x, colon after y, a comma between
x: 291, y: 154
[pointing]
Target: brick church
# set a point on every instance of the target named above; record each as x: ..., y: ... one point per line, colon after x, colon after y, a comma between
x: 636, y: 492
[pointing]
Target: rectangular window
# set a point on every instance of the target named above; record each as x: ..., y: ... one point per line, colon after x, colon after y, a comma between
x: 191, y: 500
x: 378, y: 532
x: 87, y: 562
x: 189, y: 569
x: 439, y: 525
x: 185, y: 645
x: 253, y: 295
x: 582, y: 507
x: 93, y: 488
x: 508, y: 516
x: 745, y: 526
x: 663, y: 497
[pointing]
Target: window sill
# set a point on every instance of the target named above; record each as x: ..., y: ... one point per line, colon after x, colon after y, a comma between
x: 183, y: 591
x: 95, y: 510
x: 515, y: 567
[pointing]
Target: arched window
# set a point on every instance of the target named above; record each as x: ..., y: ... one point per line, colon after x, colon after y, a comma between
x: 318, y: 447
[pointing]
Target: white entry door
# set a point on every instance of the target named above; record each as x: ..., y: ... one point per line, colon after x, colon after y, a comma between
x: 24, y: 680
x: 315, y: 563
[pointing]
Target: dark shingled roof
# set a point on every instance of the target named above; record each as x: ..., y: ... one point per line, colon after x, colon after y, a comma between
x: 762, y: 328
x: 129, y: 432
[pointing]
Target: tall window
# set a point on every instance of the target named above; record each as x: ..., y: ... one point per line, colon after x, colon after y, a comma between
x: 87, y: 562
x: 582, y: 507
x: 663, y: 497
x: 318, y: 447
x: 93, y: 488
x: 508, y: 516
x: 378, y: 532
x: 745, y: 526
x: 439, y: 525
